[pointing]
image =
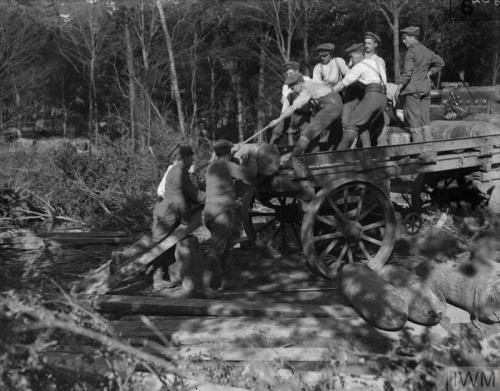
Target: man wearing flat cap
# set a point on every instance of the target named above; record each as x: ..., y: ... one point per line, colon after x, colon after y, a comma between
x: 301, y: 118
x: 329, y: 108
x: 369, y: 73
x: 178, y: 197
x: 221, y: 201
x: 415, y: 85
x: 331, y: 69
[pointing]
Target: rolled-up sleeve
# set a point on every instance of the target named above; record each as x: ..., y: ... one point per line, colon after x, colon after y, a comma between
x: 301, y: 100
x: 352, y: 76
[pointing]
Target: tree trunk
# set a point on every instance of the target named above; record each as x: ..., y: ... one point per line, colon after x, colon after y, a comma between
x: 261, y: 115
x: 305, y: 39
x: 173, y: 72
x: 212, y: 124
x: 194, y: 98
x: 240, y: 107
x: 131, y: 85
x: 395, y: 33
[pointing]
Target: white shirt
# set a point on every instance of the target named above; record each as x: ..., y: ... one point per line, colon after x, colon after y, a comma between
x: 332, y: 72
x: 285, y: 91
x: 312, y: 90
x: 161, y: 187
x: 367, y: 71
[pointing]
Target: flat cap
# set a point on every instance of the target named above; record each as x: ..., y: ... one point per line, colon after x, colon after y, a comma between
x: 373, y: 36
x: 183, y: 151
x: 325, y: 47
x: 293, y: 79
x: 356, y: 47
x: 412, y: 30
x: 222, y: 147
x: 291, y: 65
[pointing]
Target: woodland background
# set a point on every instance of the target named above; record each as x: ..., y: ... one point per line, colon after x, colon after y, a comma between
x: 124, y: 81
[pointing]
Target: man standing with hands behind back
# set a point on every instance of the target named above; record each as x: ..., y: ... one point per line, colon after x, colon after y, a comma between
x: 415, y: 84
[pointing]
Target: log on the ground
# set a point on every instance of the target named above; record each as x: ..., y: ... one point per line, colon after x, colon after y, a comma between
x: 380, y: 303
x: 100, y: 281
x: 425, y: 306
x: 472, y: 287
x: 446, y: 130
x: 266, y: 155
x: 157, y: 305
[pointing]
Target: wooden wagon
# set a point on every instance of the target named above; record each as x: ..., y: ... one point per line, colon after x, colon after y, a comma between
x: 349, y: 216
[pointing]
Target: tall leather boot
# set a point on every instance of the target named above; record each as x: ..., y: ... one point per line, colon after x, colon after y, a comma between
x: 383, y: 138
x: 416, y: 135
x: 427, y: 133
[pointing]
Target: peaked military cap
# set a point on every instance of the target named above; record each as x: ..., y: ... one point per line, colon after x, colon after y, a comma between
x: 325, y: 47
x: 183, y: 151
x: 373, y: 36
x: 222, y: 147
x: 412, y: 30
x: 293, y: 79
x: 291, y: 65
x: 356, y: 47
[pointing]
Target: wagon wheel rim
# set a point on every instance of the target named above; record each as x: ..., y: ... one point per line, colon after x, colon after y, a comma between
x: 354, y: 222
x: 275, y: 220
x: 428, y: 187
x: 412, y: 223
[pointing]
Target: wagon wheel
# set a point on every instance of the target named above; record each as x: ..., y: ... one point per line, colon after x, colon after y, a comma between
x: 431, y: 187
x: 412, y: 223
x: 348, y: 221
x: 274, y: 219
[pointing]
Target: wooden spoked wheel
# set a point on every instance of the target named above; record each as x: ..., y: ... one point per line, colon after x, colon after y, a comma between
x: 274, y: 220
x: 348, y: 221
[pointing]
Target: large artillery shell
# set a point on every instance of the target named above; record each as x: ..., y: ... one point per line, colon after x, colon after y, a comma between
x: 477, y: 291
x: 266, y: 155
x: 425, y: 306
x: 378, y: 302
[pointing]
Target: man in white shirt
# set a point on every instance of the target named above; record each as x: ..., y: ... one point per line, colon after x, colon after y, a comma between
x: 331, y: 69
x: 300, y: 118
x: 369, y: 73
x: 329, y: 106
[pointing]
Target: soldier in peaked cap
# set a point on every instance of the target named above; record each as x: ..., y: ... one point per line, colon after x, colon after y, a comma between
x: 329, y: 108
x: 178, y: 197
x: 331, y: 69
x: 220, y: 202
x: 299, y: 119
x: 415, y: 85
x: 372, y: 77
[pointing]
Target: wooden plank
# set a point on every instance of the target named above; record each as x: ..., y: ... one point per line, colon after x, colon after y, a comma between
x: 291, y: 354
x: 398, y: 151
x: 100, y: 281
x: 83, y: 234
x: 160, y: 305
x: 256, y: 331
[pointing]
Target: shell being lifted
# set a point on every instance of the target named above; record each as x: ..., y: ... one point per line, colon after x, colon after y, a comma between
x: 267, y: 156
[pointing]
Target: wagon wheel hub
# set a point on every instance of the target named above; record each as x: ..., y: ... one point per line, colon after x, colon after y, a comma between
x: 353, y: 231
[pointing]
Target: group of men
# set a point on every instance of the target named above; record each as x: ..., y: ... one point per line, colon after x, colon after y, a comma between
x: 197, y: 274
x: 357, y: 93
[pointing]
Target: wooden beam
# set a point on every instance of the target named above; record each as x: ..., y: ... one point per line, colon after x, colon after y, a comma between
x: 100, y: 281
x: 160, y: 305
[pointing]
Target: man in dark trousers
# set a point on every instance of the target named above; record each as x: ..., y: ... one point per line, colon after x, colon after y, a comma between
x: 370, y: 74
x: 329, y: 108
x: 415, y: 84
x: 220, y: 202
x: 301, y: 118
x: 180, y: 196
